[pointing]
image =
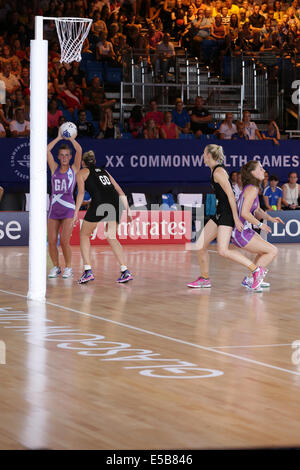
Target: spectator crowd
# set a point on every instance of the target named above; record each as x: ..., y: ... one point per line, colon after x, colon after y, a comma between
x: 150, y: 30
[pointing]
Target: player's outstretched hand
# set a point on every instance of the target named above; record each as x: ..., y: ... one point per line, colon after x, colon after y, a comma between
x: 277, y: 220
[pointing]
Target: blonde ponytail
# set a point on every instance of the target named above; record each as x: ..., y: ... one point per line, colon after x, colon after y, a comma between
x: 216, y: 152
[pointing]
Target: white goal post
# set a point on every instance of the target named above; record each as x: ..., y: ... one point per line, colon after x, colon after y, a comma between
x: 71, y: 32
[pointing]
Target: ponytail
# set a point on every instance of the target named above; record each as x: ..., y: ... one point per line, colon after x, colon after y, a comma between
x: 89, y: 159
x: 216, y: 152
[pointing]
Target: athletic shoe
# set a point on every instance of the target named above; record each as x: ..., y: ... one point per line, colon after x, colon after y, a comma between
x: 54, y: 272
x: 125, y: 276
x: 258, y: 289
x: 258, y: 277
x: 67, y: 273
x: 247, y: 282
x: 86, y: 277
x: 200, y: 282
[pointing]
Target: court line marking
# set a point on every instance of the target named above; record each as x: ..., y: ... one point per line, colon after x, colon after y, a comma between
x: 176, y: 340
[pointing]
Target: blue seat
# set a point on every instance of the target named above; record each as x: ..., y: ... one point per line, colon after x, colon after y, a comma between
x: 186, y: 136
x: 67, y: 115
x: 113, y: 74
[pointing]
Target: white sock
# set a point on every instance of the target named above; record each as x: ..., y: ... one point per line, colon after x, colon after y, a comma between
x: 86, y: 267
x: 123, y: 268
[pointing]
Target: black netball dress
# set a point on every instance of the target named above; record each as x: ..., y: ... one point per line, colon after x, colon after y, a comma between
x: 105, y: 202
x: 223, y: 214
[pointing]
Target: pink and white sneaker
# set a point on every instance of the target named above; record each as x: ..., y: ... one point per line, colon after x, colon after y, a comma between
x: 200, y: 283
x: 258, y: 277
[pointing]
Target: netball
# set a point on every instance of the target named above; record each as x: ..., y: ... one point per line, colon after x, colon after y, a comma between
x: 68, y: 129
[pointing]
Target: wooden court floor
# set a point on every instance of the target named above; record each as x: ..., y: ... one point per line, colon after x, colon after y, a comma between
x: 150, y: 364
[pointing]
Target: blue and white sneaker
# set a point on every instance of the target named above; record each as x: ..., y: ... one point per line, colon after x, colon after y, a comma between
x: 86, y: 277
x: 54, y: 272
x: 247, y: 282
x: 125, y: 276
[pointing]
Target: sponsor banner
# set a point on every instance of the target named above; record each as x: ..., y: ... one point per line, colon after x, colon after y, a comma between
x: 287, y: 233
x: 14, y: 228
x: 147, y: 227
x: 149, y: 161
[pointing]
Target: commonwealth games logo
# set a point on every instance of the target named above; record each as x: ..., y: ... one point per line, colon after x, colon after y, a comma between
x: 20, y: 161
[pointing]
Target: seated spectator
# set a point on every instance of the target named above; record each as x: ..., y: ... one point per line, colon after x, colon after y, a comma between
x: 19, y: 51
x: 85, y: 128
x: 164, y: 58
x: 122, y: 51
x: 2, y: 133
x: 227, y: 128
x: 138, y: 43
x: 151, y: 131
x: 241, y: 132
x: 71, y: 98
x: 1, y: 193
x: 233, y: 178
x: 154, y: 37
x: 225, y: 18
x: 243, y: 17
x: 202, y: 29
x: 106, y: 124
x: 181, y: 117
x: 261, y: 189
x: 60, y: 83
x: 264, y: 9
x: 25, y: 79
x: 238, y: 186
x: 98, y: 26
x: 136, y: 122
x: 232, y: 8
x: 19, y: 127
x: 273, y: 195
x: 157, y: 116
x: 11, y: 82
x: 272, y: 132
x: 278, y: 11
x: 291, y: 192
x: 217, y: 9
x: 169, y: 130
x: 17, y: 100
x: 4, y: 116
x: 77, y: 74
x: 16, y: 67
x: 200, y: 118
x: 256, y: 20
x: 104, y: 50
x: 95, y: 99
x: 250, y: 127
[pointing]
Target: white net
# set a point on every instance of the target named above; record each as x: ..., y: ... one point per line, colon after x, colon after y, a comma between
x: 72, y: 33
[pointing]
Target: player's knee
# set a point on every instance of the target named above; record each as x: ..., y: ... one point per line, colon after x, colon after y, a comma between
x: 274, y: 251
x: 223, y: 252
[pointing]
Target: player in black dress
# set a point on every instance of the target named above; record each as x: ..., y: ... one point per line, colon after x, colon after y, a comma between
x: 107, y: 202
x: 220, y: 225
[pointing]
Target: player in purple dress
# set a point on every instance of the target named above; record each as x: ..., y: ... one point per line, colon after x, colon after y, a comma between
x: 62, y: 204
x: 249, y: 212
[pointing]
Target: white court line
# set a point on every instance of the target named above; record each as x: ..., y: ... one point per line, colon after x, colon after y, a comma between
x: 176, y: 340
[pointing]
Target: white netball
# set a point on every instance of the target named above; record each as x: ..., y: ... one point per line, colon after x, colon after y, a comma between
x: 68, y: 129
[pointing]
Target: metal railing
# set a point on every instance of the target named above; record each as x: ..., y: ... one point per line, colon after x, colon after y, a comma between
x: 133, y: 94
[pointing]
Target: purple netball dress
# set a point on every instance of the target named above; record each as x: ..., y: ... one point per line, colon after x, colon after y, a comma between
x: 62, y: 203
x: 242, y: 238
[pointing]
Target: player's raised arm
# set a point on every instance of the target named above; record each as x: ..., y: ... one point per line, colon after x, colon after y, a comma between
x: 50, y: 159
x: 78, y: 155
